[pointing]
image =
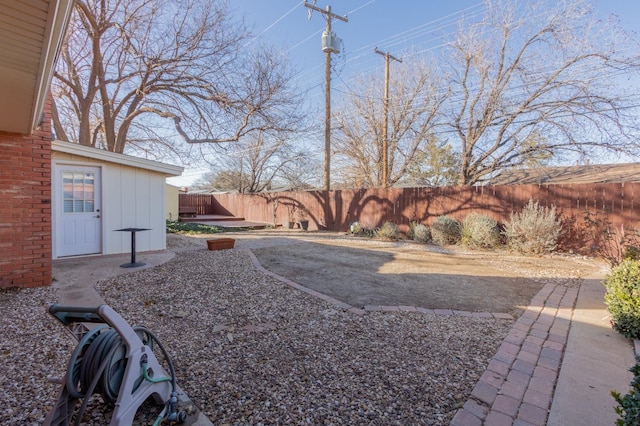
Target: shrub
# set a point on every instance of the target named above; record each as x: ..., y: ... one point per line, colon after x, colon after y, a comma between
x: 445, y: 230
x: 419, y: 232
x: 388, y: 231
x: 357, y: 228
x: 188, y: 228
x: 534, y: 230
x: 623, y: 297
x: 631, y: 253
x: 628, y: 408
x: 480, y: 231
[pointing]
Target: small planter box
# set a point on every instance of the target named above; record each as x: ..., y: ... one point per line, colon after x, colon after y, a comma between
x: 220, y: 243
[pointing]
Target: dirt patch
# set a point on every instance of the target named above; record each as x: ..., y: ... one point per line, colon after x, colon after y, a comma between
x: 361, y: 271
x: 364, y: 272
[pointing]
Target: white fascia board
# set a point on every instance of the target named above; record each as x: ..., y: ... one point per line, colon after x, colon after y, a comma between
x: 112, y: 157
x: 57, y: 22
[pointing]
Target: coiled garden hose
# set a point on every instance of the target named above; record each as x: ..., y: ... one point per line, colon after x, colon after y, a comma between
x: 171, y: 407
x: 94, y: 382
x: 98, y: 365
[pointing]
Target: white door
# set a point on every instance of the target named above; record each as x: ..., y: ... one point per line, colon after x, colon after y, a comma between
x: 79, y: 223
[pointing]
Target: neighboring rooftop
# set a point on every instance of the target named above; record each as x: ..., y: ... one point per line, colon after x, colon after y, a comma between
x: 593, y: 173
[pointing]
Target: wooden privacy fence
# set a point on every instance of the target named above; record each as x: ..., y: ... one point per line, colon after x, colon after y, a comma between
x: 336, y: 210
x: 202, y: 203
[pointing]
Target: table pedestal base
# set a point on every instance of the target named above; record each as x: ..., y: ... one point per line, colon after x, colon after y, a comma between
x: 132, y: 265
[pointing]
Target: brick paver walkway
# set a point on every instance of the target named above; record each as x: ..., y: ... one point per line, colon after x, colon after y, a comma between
x: 517, y: 387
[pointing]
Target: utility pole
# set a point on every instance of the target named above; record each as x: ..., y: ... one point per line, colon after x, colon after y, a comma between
x: 329, y: 46
x: 385, y: 138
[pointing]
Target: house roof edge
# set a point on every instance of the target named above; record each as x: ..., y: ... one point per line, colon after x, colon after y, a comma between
x: 112, y: 157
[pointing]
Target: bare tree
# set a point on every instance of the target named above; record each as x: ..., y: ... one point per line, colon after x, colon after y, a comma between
x: 531, y: 83
x: 224, y: 180
x: 257, y: 163
x: 149, y: 74
x: 302, y: 173
x: 413, y: 106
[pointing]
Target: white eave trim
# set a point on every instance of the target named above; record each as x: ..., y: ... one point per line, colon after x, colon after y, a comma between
x: 112, y: 157
x: 59, y: 14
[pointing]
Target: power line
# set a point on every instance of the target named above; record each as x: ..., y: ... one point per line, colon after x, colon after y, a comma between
x: 274, y: 23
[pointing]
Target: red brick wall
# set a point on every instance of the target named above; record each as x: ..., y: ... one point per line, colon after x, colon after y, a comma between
x: 25, y: 207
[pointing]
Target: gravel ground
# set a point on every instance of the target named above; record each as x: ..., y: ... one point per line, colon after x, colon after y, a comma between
x: 248, y: 349
x: 33, y: 347
x: 251, y: 350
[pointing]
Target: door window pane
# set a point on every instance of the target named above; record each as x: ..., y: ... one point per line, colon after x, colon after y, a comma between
x: 78, y: 191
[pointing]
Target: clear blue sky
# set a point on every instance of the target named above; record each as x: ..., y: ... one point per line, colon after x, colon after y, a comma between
x: 394, y: 26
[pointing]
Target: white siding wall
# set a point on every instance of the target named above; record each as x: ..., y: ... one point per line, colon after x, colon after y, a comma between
x: 131, y: 198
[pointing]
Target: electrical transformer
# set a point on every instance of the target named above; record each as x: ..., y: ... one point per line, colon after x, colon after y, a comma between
x: 330, y: 42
